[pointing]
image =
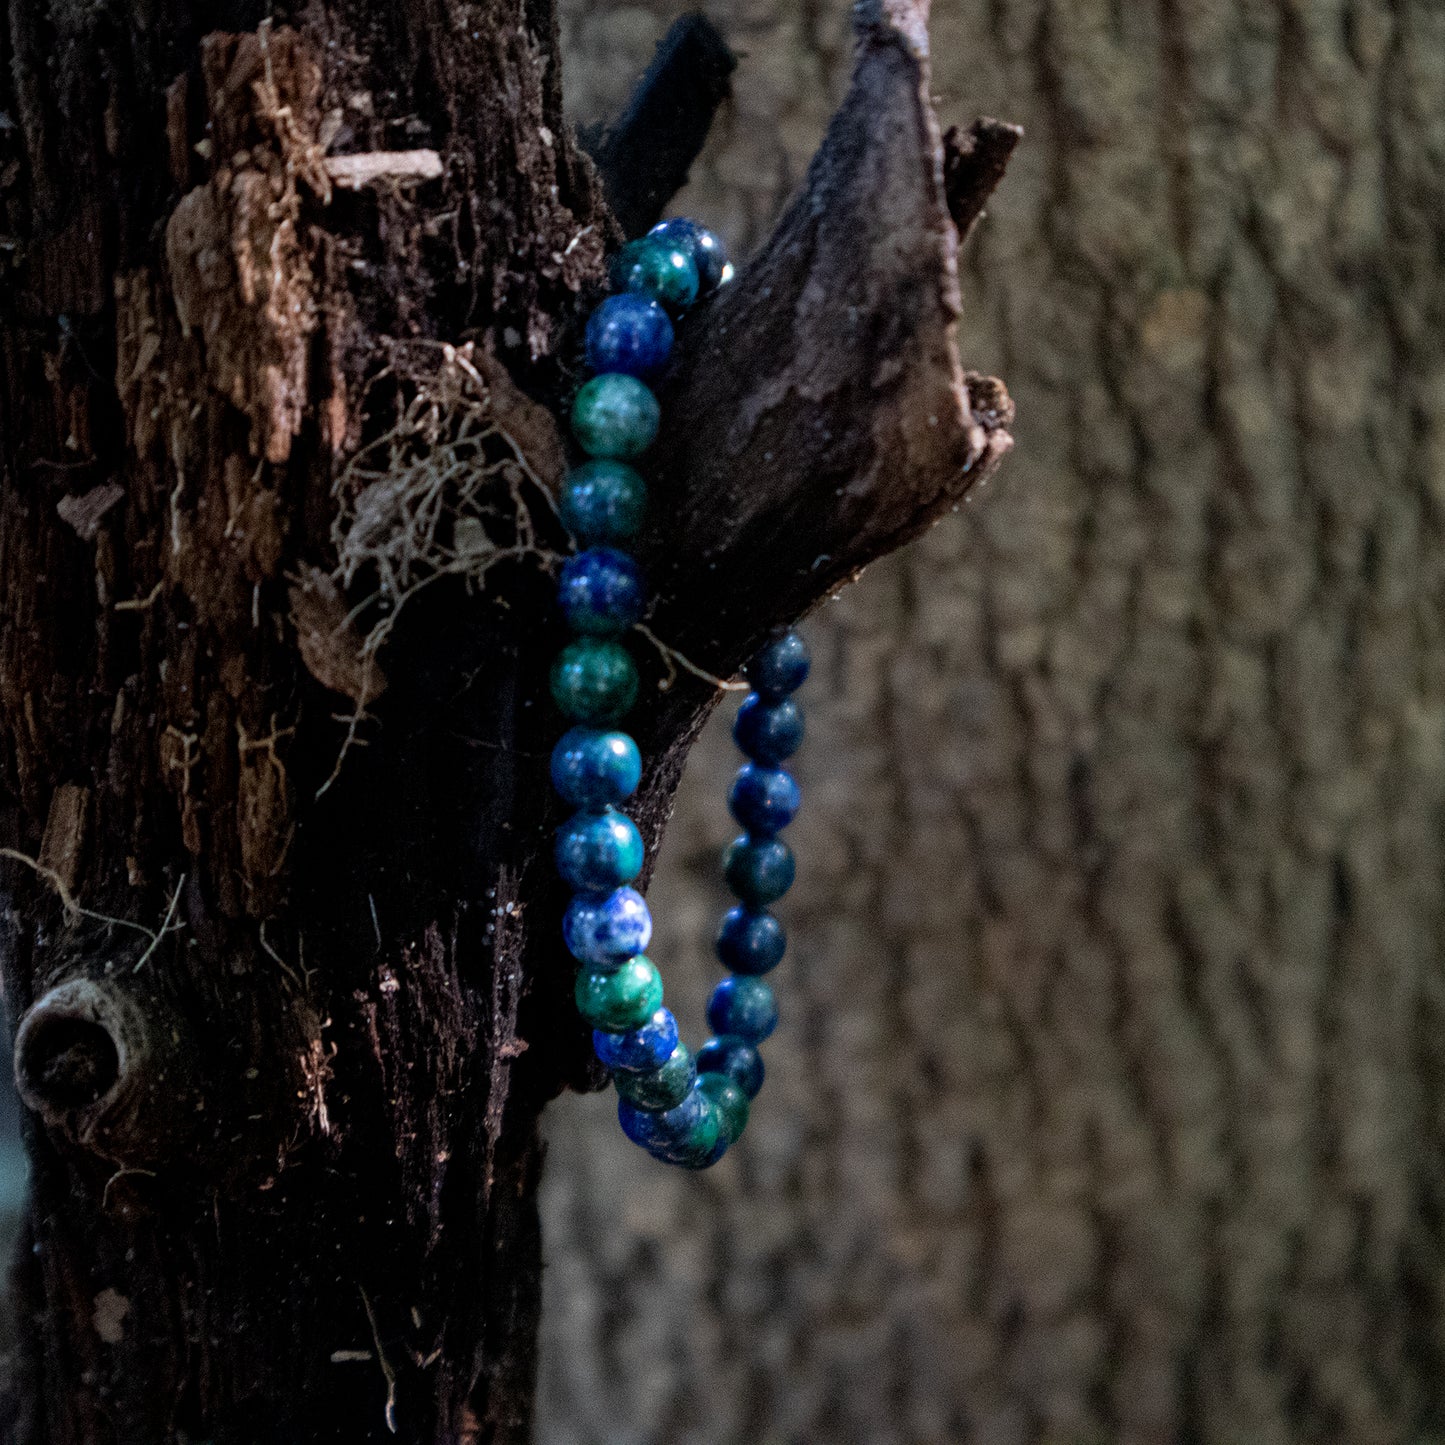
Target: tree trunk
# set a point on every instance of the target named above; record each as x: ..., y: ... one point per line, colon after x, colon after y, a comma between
x: 289, y: 305
x: 1107, y: 1100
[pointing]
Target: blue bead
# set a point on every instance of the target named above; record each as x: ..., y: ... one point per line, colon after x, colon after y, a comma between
x: 781, y: 667
x: 639, y: 1051
x: 629, y: 333
x: 603, y: 501
x: 764, y: 800
x: 593, y: 768
x: 734, y: 1057
x: 750, y: 942
x: 608, y: 928
x: 686, y: 1135
x: 601, y: 593
x: 597, y: 852
x: 659, y: 269
x: 759, y: 870
x: 664, y: 1087
x: 707, y: 251
x: 768, y: 732
x: 743, y: 1006
x: 615, y: 416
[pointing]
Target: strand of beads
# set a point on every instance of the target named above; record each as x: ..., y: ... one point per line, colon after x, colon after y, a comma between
x: 683, y: 1110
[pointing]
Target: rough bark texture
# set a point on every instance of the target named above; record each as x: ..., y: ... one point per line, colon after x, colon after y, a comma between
x: 1106, y: 1105
x: 284, y: 295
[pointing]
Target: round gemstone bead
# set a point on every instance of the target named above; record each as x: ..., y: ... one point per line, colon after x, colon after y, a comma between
x: 629, y: 333
x: 733, y: 1106
x: 594, y: 680
x: 607, y: 929
x: 617, y: 999
x: 758, y: 870
x: 764, y: 800
x: 781, y: 667
x: 601, y: 593
x: 661, y: 1088
x: 685, y: 1135
x: 658, y: 268
x: 743, y: 1006
x: 593, y: 769
x: 750, y: 942
x: 707, y: 251
x: 597, y: 852
x: 768, y: 732
x: 603, y: 501
x: 640, y: 1050
x: 615, y: 416
x: 736, y: 1059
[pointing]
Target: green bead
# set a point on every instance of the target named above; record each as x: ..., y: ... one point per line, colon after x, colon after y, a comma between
x: 619, y: 999
x: 662, y: 1088
x: 594, y: 680
x: 731, y: 1103
x: 658, y: 268
x: 615, y: 416
x: 603, y: 501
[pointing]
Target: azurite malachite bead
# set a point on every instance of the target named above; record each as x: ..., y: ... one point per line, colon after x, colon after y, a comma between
x: 658, y: 268
x: 603, y: 501
x: 597, y: 852
x: 750, y: 942
x: 758, y: 870
x: 707, y: 251
x: 685, y: 1135
x: 732, y: 1104
x: 781, y: 667
x: 594, y: 768
x: 594, y: 680
x: 639, y: 1050
x: 601, y: 593
x: 630, y: 333
x: 617, y: 999
x: 606, y: 929
x: 615, y: 416
x: 735, y: 1058
x: 661, y: 1088
x: 743, y: 1006
x: 764, y: 800
x: 768, y: 732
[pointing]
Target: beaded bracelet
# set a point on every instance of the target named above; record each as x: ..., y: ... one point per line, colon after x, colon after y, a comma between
x: 682, y: 1110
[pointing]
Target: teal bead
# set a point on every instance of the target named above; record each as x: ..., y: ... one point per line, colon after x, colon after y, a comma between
x: 597, y: 852
x: 758, y: 870
x: 662, y: 1088
x: 660, y: 268
x: 619, y: 999
x: 615, y: 416
x: 603, y: 503
x: 732, y: 1105
x: 594, y: 680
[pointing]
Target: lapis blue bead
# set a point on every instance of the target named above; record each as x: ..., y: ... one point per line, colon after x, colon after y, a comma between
x: 750, y: 941
x: 781, y: 667
x: 606, y: 928
x: 758, y: 870
x: 768, y: 731
x: 707, y: 251
x: 597, y: 852
x: 735, y: 1058
x: 601, y: 593
x: 594, y: 768
x: 639, y: 1051
x: 656, y: 267
x: 685, y: 1135
x: 604, y: 501
x: 764, y: 800
x: 629, y: 333
x: 664, y: 1087
x: 743, y: 1006
x: 615, y: 416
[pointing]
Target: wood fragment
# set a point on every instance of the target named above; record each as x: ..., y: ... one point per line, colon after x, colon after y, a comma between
x: 371, y: 167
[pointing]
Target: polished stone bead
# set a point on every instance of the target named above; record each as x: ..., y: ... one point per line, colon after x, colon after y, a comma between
x: 601, y: 593
x: 622, y: 998
x: 781, y: 667
x: 707, y: 251
x: 608, y: 928
x: 657, y: 268
x: 662, y: 1088
x: 735, y: 1058
x: 615, y: 416
x: 769, y: 732
x: 603, y: 501
x: 629, y: 333
x: 640, y: 1050
x: 597, y: 852
x: 750, y: 942
x: 758, y: 870
x: 686, y: 1135
x: 764, y: 800
x: 594, y: 680
x: 743, y: 1006
x: 593, y: 768
x: 733, y: 1106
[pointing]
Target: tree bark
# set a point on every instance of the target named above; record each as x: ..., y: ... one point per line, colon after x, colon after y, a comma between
x: 289, y: 306
x: 1106, y: 1102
